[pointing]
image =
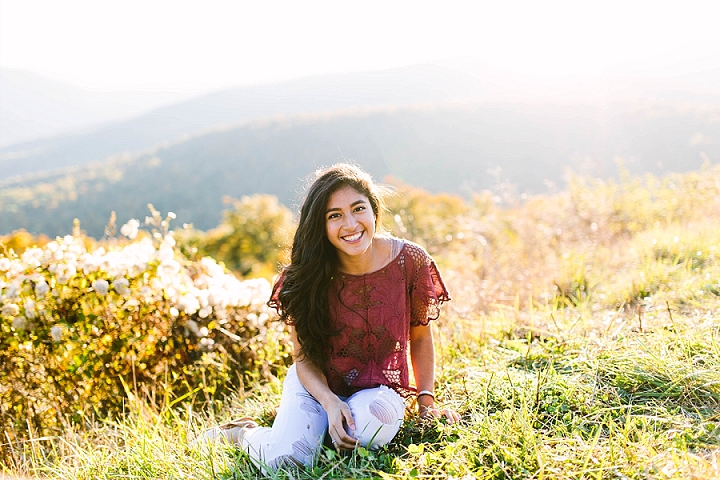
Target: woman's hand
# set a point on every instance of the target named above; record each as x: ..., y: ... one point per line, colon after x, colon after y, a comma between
x: 422, y: 353
x: 339, y: 415
x: 338, y: 412
x: 429, y: 412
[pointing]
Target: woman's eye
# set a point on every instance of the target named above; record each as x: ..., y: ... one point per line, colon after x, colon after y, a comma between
x: 359, y: 209
x: 333, y: 215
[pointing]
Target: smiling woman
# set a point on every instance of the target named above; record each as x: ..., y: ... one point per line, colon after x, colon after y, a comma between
x: 357, y: 302
x: 351, y: 230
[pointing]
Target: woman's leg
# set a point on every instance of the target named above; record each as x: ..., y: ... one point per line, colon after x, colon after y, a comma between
x: 297, y: 433
x: 378, y: 414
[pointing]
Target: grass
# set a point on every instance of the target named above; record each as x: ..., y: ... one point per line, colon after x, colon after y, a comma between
x: 535, y: 404
x: 591, y: 353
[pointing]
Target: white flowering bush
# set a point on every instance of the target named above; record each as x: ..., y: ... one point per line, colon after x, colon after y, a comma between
x: 83, y: 328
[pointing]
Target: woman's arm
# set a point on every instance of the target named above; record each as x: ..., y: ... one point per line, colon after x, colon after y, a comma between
x: 422, y: 355
x: 315, y: 382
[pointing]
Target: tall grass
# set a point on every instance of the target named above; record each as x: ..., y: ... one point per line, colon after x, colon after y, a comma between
x: 583, y: 342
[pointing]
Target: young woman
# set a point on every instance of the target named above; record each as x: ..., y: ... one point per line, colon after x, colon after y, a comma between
x: 355, y: 300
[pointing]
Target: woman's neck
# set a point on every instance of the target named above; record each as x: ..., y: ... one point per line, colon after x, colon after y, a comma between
x: 378, y: 254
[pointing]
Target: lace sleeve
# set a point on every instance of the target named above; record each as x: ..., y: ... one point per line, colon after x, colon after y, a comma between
x: 428, y: 290
x: 274, y: 301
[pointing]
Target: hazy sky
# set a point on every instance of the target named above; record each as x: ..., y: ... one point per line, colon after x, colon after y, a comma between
x: 195, y: 46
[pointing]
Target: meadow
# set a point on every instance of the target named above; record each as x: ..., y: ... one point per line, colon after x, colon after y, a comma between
x: 582, y: 341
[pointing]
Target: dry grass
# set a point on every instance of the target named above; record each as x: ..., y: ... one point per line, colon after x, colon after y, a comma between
x: 583, y: 342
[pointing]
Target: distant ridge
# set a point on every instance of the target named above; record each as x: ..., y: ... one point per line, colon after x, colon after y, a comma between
x: 318, y: 94
x: 453, y: 148
x: 426, y: 125
x: 33, y: 106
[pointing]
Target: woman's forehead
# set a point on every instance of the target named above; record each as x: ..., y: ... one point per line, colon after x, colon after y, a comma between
x: 344, y: 196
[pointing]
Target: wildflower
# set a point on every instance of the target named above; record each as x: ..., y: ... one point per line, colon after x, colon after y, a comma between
x: 41, y: 289
x: 165, y: 253
x: 4, y: 264
x: 168, y: 269
x: 146, y: 293
x: 13, y: 291
x: 77, y: 247
x: 10, y: 310
x: 65, y: 272
x: 32, y: 257
x: 192, y: 326
x: 121, y: 286
x: 71, y: 258
x: 88, y: 263
x: 57, y: 332
x: 251, y: 319
x: 132, y: 304
x: 19, y: 323
x: 212, y: 267
x: 188, y: 304
x: 101, y: 287
x: 130, y: 229
x: 30, y: 311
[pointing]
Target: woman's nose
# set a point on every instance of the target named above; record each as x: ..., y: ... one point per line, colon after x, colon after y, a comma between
x: 350, y: 221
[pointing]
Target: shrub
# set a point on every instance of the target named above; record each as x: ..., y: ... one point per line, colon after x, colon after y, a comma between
x: 19, y: 240
x: 82, y: 330
x: 433, y: 220
x: 252, y: 238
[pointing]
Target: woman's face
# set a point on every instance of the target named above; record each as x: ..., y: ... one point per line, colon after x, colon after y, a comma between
x: 349, y: 222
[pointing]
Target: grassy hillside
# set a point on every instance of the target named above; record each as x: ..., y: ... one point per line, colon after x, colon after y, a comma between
x: 457, y: 149
x: 583, y: 341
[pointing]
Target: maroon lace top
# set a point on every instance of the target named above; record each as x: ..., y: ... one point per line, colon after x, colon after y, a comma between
x: 374, y: 313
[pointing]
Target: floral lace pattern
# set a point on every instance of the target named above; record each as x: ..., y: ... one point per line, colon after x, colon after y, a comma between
x: 374, y: 313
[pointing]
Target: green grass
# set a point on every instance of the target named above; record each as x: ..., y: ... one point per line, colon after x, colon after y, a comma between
x: 592, y: 398
x: 614, y: 375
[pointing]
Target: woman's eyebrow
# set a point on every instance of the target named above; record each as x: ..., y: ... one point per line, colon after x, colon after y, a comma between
x: 331, y: 209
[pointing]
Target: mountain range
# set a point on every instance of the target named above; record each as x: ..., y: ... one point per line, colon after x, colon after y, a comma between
x: 429, y: 126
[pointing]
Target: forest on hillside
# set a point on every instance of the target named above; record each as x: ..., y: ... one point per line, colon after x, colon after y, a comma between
x: 460, y: 150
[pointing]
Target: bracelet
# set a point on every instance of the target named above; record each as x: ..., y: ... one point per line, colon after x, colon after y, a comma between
x: 425, y: 392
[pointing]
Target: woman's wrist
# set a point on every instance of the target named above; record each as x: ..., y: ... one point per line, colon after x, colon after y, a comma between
x: 428, y: 393
x: 425, y: 400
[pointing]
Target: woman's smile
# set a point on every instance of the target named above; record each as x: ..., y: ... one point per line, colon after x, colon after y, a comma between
x: 353, y: 237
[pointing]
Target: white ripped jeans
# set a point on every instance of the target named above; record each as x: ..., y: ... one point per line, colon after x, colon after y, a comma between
x: 301, y: 423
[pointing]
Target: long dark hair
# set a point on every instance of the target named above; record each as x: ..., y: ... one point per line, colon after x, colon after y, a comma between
x: 314, y: 261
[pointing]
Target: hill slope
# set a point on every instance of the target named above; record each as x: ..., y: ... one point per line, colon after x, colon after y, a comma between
x: 459, y: 149
x: 33, y: 106
x: 402, y: 86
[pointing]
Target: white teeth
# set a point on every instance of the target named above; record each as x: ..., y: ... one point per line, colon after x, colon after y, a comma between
x: 353, y: 237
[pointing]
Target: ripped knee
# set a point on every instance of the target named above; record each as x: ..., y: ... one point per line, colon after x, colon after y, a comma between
x: 284, y: 461
x: 382, y: 410
x: 302, y: 456
x: 309, y: 405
